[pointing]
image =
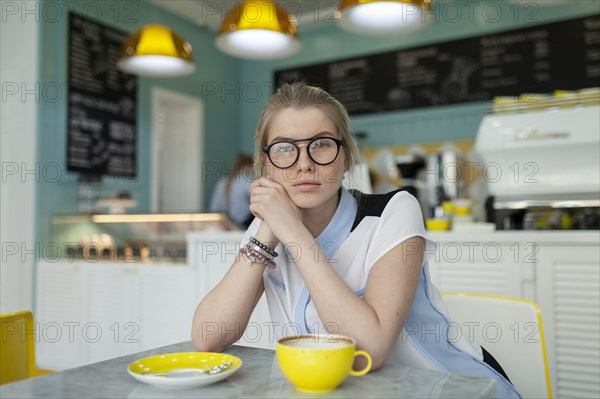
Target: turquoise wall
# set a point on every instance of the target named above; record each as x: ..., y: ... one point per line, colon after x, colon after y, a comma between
x: 453, y: 20
x: 58, y: 195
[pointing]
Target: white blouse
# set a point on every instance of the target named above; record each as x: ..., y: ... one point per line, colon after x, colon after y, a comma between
x: 356, y: 237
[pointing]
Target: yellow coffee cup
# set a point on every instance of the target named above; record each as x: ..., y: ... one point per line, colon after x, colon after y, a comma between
x: 319, y: 363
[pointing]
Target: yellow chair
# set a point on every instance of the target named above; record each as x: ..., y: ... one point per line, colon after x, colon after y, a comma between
x: 511, y: 330
x: 17, y: 348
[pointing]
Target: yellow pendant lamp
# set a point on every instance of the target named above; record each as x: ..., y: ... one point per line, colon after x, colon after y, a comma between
x: 382, y: 17
x: 258, y: 29
x: 155, y: 50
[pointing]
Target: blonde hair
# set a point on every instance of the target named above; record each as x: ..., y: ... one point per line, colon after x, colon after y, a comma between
x: 300, y: 96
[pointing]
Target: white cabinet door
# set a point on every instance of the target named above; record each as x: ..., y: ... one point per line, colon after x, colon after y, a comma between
x: 166, y: 304
x: 568, y: 285
x: 58, y: 312
x: 111, y: 321
x: 478, y: 267
x: 89, y: 312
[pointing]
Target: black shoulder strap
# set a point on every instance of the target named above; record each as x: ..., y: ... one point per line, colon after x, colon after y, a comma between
x: 370, y: 204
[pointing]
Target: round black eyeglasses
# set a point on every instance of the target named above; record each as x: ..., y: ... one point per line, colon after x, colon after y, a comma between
x: 321, y: 150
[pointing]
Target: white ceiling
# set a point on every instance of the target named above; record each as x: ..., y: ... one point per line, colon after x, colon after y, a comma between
x: 309, y: 14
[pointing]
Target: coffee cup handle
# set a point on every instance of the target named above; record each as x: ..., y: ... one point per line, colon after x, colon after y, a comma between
x: 367, y: 368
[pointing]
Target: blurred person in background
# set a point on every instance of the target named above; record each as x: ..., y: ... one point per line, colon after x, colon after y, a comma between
x: 232, y: 192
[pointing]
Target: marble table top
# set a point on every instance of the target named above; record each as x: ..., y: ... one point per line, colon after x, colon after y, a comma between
x: 259, y: 377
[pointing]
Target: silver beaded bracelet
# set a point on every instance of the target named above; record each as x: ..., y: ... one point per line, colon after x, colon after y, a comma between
x: 264, y: 247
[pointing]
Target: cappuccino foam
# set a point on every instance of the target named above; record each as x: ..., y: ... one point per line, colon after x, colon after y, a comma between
x: 317, y: 343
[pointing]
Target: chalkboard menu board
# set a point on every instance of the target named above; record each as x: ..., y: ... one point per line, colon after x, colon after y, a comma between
x: 102, y: 102
x: 563, y: 55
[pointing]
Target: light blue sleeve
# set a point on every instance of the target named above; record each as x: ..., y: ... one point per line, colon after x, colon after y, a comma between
x: 217, y: 202
x: 239, y: 210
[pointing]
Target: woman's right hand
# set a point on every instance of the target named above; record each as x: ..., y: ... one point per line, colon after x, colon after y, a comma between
x: 264, y: 233
x: 270, y: 202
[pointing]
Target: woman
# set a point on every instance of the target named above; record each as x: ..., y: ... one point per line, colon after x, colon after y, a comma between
x: 331, y: 261
x: 231, y: 195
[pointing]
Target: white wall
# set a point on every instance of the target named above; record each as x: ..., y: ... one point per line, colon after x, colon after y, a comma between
x: 18, y: 77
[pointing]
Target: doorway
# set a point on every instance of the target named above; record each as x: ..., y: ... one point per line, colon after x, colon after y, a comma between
x: 177, y: 141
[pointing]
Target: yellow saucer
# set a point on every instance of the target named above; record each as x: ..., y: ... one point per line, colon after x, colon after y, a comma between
x: 141, y: 369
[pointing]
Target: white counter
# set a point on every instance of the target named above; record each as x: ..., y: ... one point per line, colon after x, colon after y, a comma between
x: 539, y: 236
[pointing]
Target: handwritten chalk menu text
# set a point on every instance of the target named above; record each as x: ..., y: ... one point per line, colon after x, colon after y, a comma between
x: 102, y: 102
x: 540, y: 59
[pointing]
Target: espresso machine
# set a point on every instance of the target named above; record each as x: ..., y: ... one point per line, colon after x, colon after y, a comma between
x: 541, y: 165
x: 443, y: 178
x: 410, y: 166
x: 432, y: 178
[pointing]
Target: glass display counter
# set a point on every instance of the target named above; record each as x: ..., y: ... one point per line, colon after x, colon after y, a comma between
x: 145, y: 238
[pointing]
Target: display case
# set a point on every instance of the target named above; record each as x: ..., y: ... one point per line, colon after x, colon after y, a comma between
x: 143, y: 238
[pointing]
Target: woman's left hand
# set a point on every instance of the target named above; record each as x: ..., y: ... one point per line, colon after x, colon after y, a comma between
x: 270, y: 202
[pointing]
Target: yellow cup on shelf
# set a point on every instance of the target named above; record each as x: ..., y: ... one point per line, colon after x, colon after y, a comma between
x: 448, y: 207
x: 462, y: 210
x: 462, y: 206
x: 437, y: 224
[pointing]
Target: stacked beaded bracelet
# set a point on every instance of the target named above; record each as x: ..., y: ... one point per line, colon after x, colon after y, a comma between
x: 251, y: 256
x: 257, y: 252
x: 265, y: 248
